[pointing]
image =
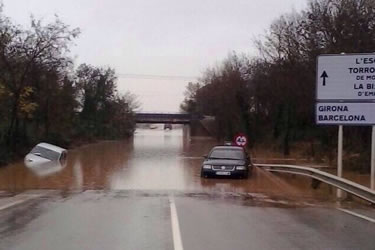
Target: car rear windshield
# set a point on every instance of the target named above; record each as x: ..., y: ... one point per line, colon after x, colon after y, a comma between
x: 45, y: 153
x: 227, y: 154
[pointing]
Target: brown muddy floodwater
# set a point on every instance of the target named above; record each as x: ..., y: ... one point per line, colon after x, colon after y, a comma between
x: 152, y: 160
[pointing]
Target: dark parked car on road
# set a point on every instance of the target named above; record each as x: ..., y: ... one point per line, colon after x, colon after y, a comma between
x: 230, y: 161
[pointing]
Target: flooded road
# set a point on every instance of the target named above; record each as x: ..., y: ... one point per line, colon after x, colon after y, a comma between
x: 151, y: 160
x: 147, y: 193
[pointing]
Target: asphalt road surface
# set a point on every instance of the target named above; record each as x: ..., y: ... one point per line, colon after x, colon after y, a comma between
x: 165, y: 220
x: 147, y: 194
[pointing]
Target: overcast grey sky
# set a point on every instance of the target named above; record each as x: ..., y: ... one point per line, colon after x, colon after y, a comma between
x: 157, y: 37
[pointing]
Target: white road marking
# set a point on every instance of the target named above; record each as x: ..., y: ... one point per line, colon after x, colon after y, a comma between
x: 357, y: 215
x: 21, y: 198
x: 11, y: 204
x: 177, y: 242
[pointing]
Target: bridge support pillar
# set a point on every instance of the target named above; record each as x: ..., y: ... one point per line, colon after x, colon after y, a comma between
x: 186, y: 131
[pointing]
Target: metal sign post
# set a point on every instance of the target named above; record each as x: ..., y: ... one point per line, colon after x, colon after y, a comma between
x: 339, y: 157
x: 373, y: 158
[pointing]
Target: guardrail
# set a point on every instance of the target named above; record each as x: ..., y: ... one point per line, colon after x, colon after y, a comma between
x: 341, y: 183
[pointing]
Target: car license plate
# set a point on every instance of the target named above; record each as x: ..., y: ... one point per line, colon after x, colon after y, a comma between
x: 222, y: 173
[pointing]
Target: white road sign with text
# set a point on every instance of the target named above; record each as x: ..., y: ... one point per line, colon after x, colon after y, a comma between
x: 346, y: 77
x: 345, y: 113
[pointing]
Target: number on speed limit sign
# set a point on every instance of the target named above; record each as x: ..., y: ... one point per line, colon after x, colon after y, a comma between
x: 240, y: 140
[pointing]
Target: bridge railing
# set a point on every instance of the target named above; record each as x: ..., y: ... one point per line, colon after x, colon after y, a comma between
x: 164, y: 115
x: 144, y: 117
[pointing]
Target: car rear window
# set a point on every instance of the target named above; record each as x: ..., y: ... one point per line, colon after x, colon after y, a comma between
x: 45, y: 153
x: 227, y: 154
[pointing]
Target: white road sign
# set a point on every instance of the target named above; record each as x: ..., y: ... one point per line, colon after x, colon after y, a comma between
x: 348, y: 77
x: 345, y: 113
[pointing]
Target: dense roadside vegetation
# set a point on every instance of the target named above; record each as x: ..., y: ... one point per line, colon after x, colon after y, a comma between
x: 44, y: 98
x: 271, y: 97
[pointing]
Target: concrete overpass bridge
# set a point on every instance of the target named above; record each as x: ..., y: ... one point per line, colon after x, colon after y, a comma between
x: 169, y: 118
x: 197, y: 125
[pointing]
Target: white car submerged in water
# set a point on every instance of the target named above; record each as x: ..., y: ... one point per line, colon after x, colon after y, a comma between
x: 45, y: 159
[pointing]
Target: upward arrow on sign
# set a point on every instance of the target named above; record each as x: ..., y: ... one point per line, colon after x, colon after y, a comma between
x: 324, y: 76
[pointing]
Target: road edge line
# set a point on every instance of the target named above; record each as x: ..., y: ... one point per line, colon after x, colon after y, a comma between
x: 176, y: 233
x: 14, y: 203
x: 357, y: 215
x: 20, y: 201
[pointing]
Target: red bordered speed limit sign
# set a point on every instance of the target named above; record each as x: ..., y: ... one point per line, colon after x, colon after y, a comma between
x: 240, y: 140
